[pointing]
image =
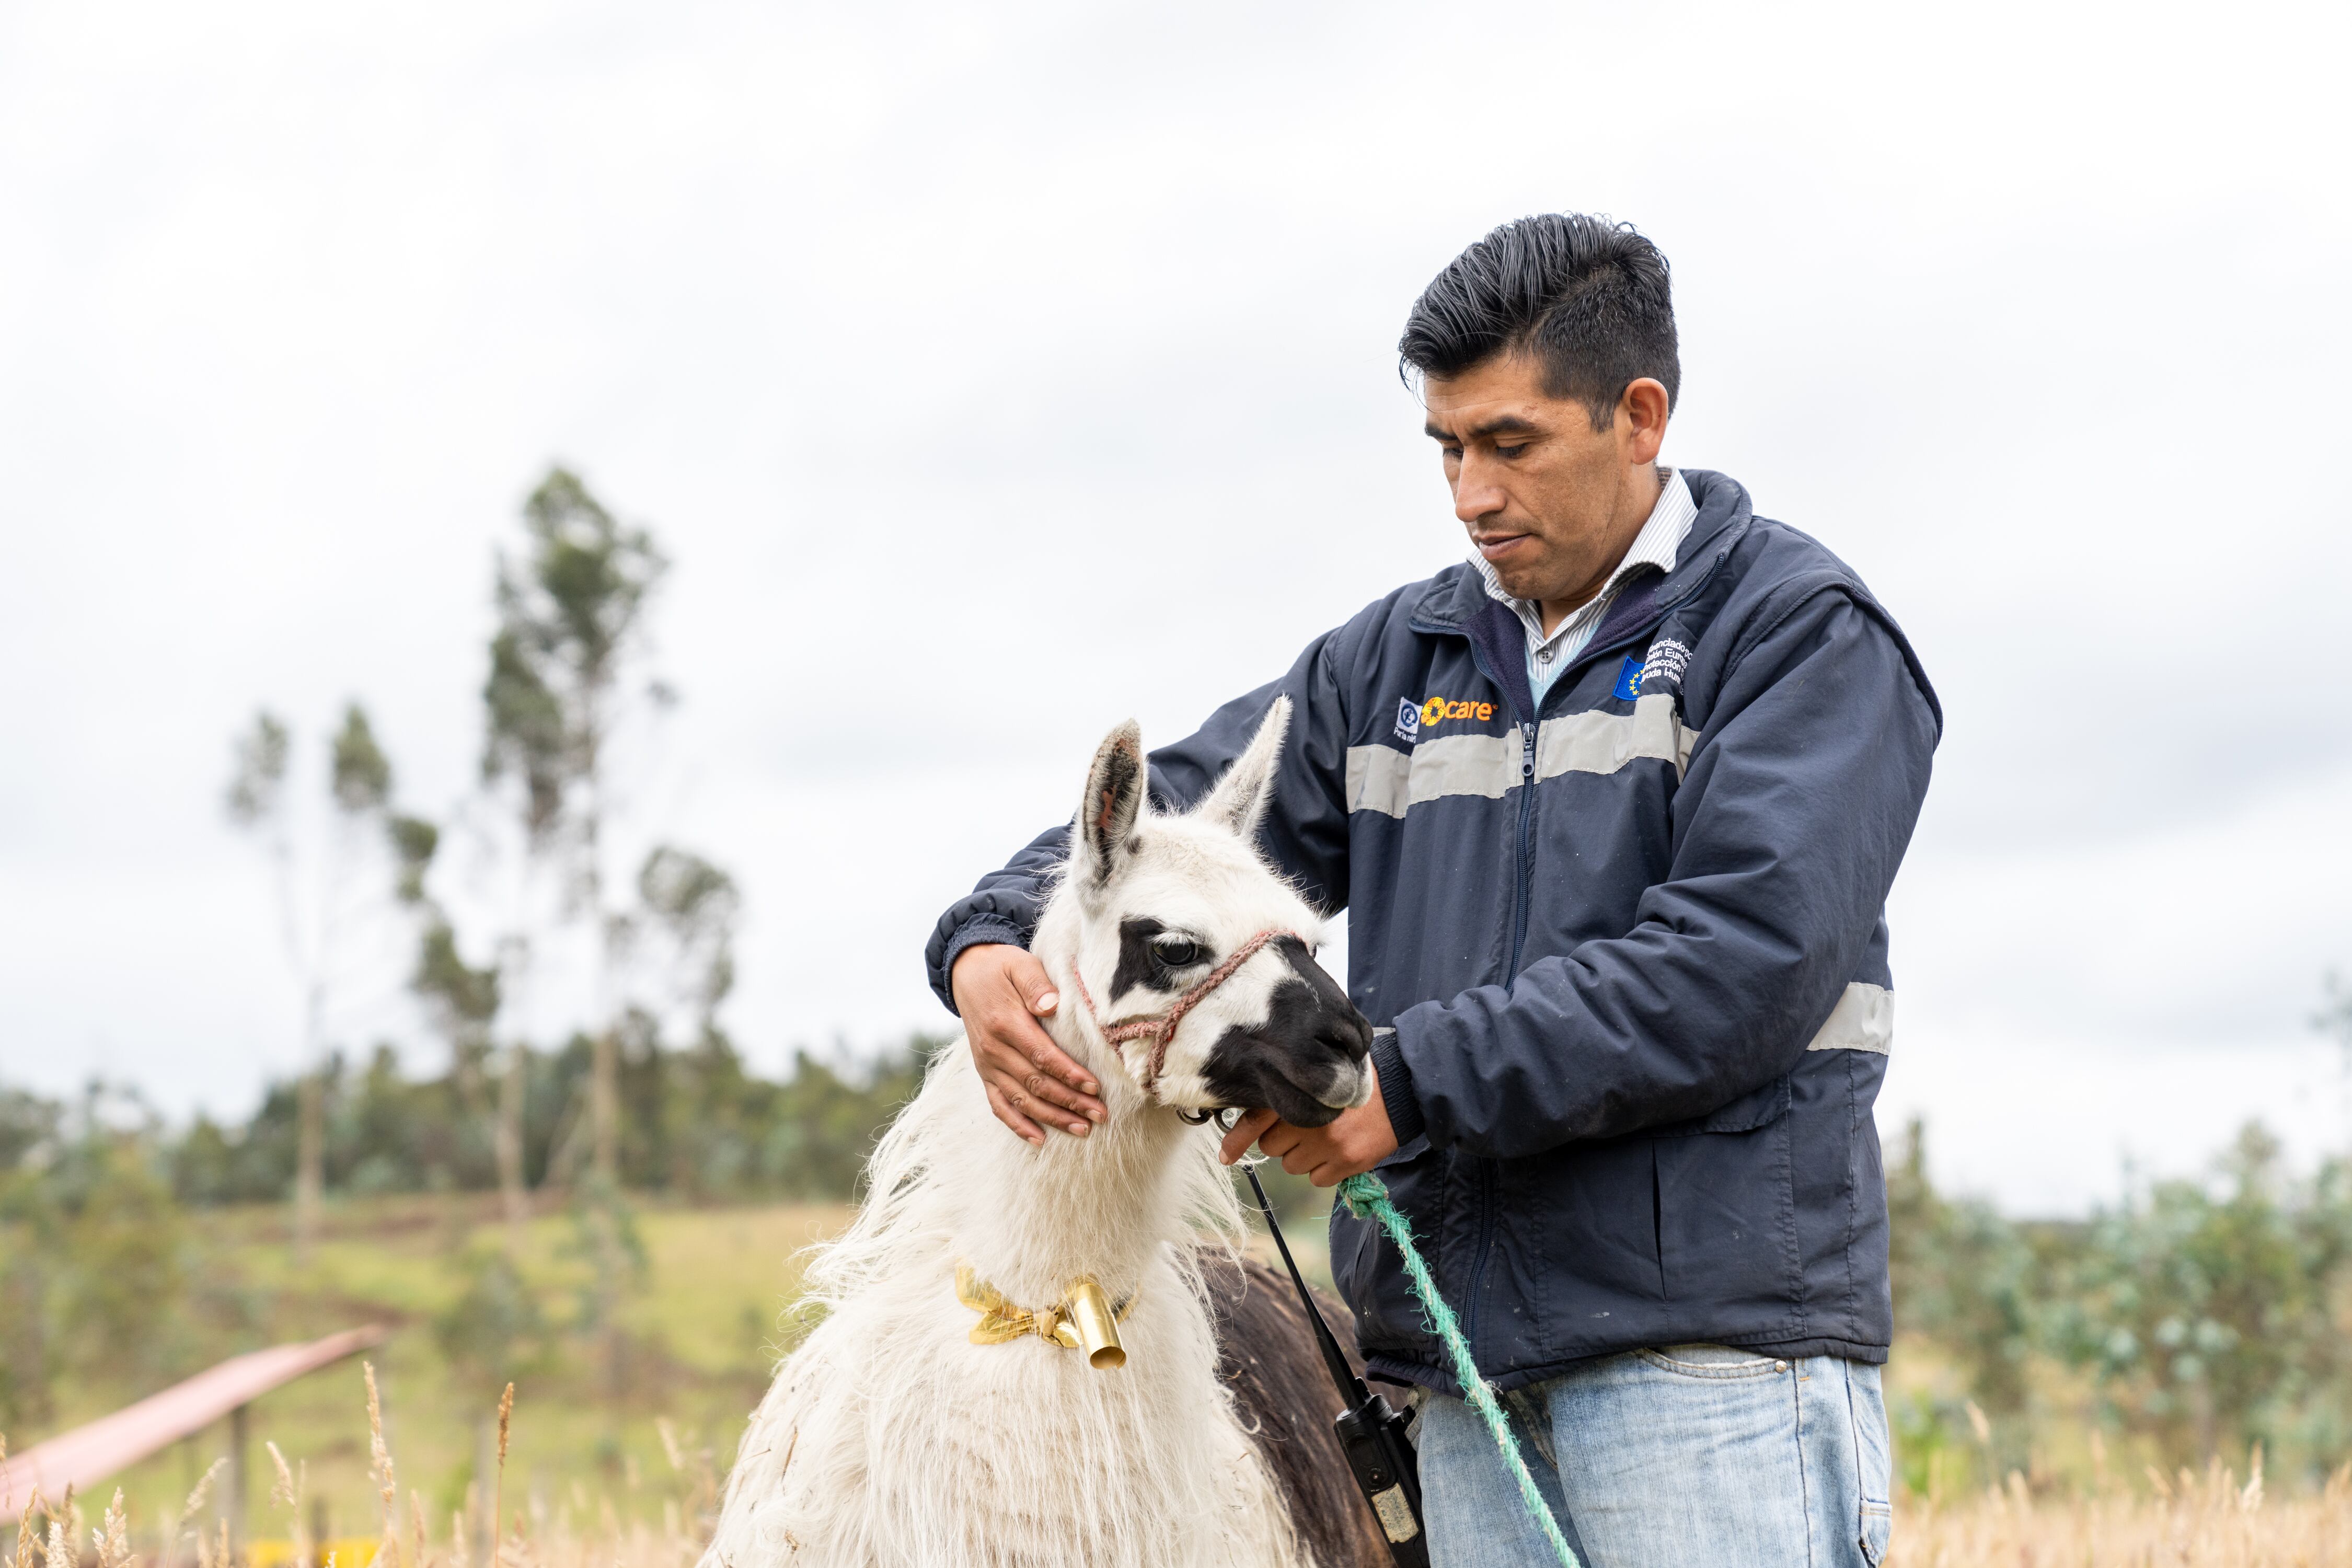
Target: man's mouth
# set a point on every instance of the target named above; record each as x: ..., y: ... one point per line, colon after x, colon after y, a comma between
x: 1496, y: 546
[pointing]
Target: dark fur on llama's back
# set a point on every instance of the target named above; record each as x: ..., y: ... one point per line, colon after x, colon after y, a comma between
x: 1266, y: 1354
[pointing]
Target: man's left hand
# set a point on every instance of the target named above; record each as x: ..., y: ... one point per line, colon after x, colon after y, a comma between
x: 1353, y: 1142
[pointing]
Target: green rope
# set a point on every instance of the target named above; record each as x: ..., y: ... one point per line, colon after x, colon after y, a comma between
x: 1367, y: 1198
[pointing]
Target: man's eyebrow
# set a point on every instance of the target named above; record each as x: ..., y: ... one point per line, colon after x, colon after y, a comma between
x: 1500, y: 424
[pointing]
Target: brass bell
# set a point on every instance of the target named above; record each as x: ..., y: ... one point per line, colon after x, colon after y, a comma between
x: 1088, y: 1311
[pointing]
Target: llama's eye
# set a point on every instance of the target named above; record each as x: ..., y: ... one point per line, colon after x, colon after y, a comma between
x: 1177, y: 951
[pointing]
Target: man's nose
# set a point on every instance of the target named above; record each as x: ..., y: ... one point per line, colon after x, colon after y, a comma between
x: 1475, y: 495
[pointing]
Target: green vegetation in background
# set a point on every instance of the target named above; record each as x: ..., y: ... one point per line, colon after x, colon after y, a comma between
x: 2196, y: 1320
x: 701, y: 1334
x: 133, y: 1253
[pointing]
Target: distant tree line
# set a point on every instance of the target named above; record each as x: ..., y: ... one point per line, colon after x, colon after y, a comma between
x: 694, y: 1124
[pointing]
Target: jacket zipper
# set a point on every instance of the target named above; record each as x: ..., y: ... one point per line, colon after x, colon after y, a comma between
x: 1524, y: 895
x: 1524, y: 888
x: 1526, y: 855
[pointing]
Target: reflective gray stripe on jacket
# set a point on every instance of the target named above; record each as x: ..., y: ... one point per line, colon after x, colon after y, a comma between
x: 1633, y: 945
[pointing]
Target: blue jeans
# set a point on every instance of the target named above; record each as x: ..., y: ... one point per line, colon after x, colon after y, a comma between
x: 1694, y: 1456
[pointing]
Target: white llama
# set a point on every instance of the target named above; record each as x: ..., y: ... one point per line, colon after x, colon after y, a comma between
x: 891, y: 1437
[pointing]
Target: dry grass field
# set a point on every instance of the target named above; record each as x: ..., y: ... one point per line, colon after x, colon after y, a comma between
x: 2205, y: 1522
x: 704, y: 1322
x: 2210, y: 1522
x: 589, y: 1485
x: 2187, y: 1521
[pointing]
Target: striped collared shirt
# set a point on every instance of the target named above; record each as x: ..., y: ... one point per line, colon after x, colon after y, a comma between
x: 1669, y: 523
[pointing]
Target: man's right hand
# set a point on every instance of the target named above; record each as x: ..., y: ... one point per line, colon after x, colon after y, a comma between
x: 1032, y: 1083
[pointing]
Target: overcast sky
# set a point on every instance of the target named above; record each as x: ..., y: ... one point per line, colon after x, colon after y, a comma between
x: 994, y: 372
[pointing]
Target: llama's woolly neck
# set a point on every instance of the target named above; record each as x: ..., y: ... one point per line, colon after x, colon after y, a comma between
x: 1028, y: 1219
x: 1101, y: 1204
x: 1034, y: 1218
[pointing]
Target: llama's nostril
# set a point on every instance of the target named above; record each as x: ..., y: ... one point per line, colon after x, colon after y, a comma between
x: 1345, y: 1042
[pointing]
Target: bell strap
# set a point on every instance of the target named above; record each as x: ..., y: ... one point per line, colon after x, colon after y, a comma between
x: 1002, y: 1323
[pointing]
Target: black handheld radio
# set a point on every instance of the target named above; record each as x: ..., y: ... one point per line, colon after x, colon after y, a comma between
x: 1371, y: 1431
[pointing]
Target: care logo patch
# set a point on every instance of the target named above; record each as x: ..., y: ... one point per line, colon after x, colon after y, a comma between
x: 1438, y: 710
x: 1629, y: 678
x: 1412, y: 717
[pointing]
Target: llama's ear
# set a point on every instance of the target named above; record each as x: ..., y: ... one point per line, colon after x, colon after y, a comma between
x: 1239, y: 800
x: 1107, y: 814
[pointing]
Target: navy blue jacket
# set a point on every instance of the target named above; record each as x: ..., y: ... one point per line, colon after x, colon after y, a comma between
x: 1633, y: 945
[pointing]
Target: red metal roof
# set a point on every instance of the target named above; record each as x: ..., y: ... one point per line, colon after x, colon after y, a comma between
x: 88, y: 1455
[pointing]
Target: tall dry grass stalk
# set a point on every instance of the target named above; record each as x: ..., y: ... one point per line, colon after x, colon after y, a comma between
x: 380, y: 1460
x: 287, y: 1489
x: 178, y: 1529
x: 25, y: 1535
x: 60, y: 1550
x: 499, y: 1487
x: 113, y: 1543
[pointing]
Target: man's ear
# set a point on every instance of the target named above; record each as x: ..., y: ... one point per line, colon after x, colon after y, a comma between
x: 1239, y: 799
x: 1642, y: 417
x: 1107, y: 812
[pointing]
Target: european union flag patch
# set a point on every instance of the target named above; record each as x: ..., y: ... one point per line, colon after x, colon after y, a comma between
x: 1629, y: 678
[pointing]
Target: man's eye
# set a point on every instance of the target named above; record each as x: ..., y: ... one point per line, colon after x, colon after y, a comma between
x: 1510, y: 451
x: 1176, y: 951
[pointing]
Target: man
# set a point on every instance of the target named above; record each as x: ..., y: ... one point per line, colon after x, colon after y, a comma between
x: 1614, y: 808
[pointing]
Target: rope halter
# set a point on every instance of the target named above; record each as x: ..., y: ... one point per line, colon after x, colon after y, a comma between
x: 1161, y: 1028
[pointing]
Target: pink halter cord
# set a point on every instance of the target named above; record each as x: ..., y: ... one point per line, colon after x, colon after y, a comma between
x: 1161, y: 1028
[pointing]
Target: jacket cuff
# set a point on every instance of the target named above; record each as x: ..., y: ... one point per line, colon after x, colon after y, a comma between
x: 1396, y: 1087
x: 975, y: 932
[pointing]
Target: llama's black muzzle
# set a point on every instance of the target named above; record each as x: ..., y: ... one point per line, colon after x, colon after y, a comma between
x: 1306, y: 1061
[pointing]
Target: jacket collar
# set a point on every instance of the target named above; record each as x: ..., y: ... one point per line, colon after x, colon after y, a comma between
x: 1456, y: 595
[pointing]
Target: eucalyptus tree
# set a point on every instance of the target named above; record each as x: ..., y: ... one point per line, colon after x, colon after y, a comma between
x: 360, y: 781
x: 692, y: 905
x: 570, y: 639
x: 359, y: 790
x: 565, y: 663
x: 2335, y: 1020
x: 461, y: 1002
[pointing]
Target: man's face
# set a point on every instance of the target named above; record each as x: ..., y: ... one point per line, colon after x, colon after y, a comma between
x: 1549, y: 501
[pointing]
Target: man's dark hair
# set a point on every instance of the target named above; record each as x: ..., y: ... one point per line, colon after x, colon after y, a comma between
x: 1589, y: 298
